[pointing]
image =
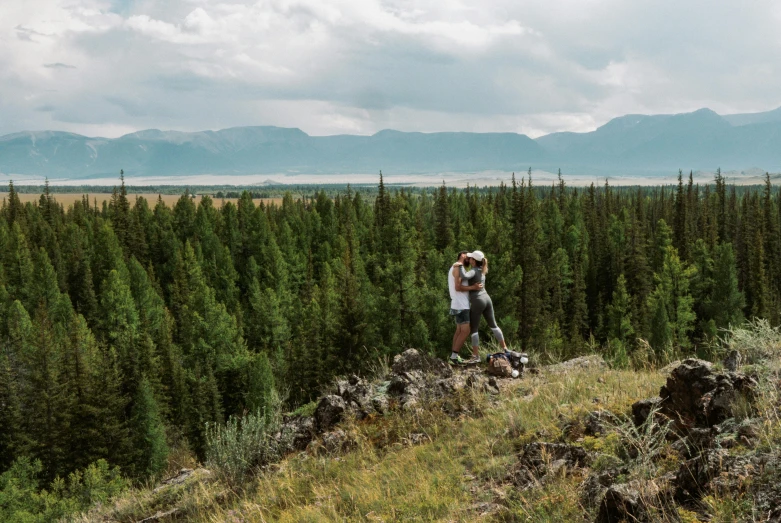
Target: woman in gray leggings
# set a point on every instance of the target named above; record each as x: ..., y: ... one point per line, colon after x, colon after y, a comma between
x: 480, y: 303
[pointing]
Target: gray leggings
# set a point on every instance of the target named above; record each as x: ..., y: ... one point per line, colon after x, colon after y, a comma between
x: 481, y: 305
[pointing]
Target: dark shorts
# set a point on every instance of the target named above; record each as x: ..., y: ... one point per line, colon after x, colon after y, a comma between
x: 461, y: 316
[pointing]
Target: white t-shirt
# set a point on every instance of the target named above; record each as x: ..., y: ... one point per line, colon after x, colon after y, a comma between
x: 459, y: 300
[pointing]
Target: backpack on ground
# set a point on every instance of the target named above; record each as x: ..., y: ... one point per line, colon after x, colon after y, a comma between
x: 499, y: 365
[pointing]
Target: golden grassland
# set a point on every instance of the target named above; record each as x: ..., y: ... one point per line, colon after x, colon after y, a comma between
x: 67, y: 199
x: 459, y: 469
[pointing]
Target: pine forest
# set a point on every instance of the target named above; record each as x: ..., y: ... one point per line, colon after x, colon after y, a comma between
x: 127, y: 331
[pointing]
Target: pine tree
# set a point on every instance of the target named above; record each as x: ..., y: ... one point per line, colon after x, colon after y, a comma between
x: 772, y: 249
x: 726, y: 301
x: 92, y: 385
x: 261, y: 396
x: 18, y: 268
x: 619, y: 314
x: 120, y: 213
x: 526, y: 235
x: 443, y: 229
x: 10, y: 411
x: 680, y: 230
x: 148, y: 433
x: 15, y: 209
x: 757, y: 282
x: 672, y: 293
x: 662, y: 240
x: 661, y: 338
x: 45, y: 406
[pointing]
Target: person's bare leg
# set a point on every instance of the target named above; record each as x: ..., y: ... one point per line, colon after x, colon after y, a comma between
x: 462, y: 333
x: 456, y: 335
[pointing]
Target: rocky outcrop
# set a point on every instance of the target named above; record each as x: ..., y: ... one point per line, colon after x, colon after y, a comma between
x: 412, y: 360
x: 329, y: 412
x: 297, y: 431
x: 415, y: 379
x: 638, y: 500
x: 593, y: 489
x: 539, y: 460
x: 696, y: 396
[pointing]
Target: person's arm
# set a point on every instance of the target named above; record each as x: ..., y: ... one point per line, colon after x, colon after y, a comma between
x: 459, y: 274
x: 465, y: 275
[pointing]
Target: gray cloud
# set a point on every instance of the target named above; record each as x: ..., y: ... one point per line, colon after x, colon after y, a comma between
x: 331, y: 66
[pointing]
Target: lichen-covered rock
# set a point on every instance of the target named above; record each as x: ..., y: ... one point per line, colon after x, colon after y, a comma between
x: 539, y: 460
x: 716, y: 471
x: 413, y: 360
x: 416, y: 438
x: 593, y: 489
x: 732, y: 361
x: 695, y: 396
x: 638, y: 500
x: 380, y: 404
x: 357, y: 394
x: 335, y: 441
x: 329, y: 412
x: 297, y: 431
x: 643, y: 408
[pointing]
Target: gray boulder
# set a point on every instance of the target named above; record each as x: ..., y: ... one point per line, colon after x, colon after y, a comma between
x: 413, y: 360
x: 297, y: 432
x: 329, y: 412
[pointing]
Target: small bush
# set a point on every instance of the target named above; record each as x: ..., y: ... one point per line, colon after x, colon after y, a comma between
x: 307, y: 409
x: 21, y: 498
x: 242, y: 445
x: 756, y: 341
x: 617, y: 355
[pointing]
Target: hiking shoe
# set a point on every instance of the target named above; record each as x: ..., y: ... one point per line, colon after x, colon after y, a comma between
x: 474, y: 360
x: 458, y: 360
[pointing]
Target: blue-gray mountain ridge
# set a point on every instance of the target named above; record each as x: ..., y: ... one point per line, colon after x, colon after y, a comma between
x: 631, y: 144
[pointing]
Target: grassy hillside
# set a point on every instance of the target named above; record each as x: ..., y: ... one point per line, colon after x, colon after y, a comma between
x: 455, y: 474
x: 457, y: 459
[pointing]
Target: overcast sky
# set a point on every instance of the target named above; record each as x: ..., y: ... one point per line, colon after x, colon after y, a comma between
x: 108, y: 67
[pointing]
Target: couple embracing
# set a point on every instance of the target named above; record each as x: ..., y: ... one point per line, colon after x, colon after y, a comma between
x: 468, y: 302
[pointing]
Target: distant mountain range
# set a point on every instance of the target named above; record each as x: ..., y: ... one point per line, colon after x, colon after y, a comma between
x: 631, y: 144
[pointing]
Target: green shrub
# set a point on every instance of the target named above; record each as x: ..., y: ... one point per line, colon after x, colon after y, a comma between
x: 22, y: 500
x: 756, y: 341
x: 238, y: 447
x: 307, y: 409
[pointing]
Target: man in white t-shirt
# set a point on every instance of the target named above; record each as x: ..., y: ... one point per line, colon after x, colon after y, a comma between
x: 459, y: 309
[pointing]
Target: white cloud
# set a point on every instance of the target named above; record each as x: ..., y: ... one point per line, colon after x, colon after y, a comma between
x: 329, y: 66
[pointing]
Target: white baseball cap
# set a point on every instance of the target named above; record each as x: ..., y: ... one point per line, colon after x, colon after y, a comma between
x: 477, y: 255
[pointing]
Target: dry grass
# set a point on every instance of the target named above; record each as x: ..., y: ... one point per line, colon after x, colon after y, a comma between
x: 455, y: 475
